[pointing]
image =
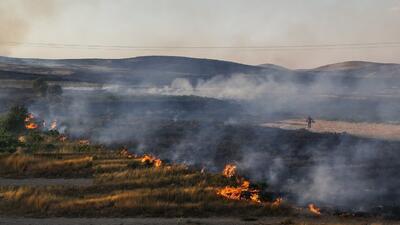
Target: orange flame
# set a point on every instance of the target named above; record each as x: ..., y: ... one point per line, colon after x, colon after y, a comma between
x: 245, y: 184
x: 231, y: 193
x: 314, y: 209
x: 31, y: 126
x: 149, y: 159
x: 157, y: 163
x: 255, y: 197
x: 229, y: 170
x: 244, y: 192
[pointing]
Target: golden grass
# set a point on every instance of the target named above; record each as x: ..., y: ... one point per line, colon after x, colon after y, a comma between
x: 164, y: 201
x: 122, y: 188
x: 19, y: 165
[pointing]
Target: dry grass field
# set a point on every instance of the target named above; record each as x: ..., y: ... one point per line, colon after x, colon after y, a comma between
x: 126, y: 190
x: 122, y: 187
x: 371, y: 130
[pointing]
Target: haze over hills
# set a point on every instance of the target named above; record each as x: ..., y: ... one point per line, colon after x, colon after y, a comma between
x: 157, y: 69
x: 352, y: 65
x: 164, y: 69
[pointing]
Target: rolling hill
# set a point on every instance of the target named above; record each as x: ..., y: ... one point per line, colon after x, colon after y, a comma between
x: 162, y: 70
x: 147, y: 69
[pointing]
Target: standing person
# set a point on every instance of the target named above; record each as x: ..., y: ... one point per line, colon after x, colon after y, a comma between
x: 309, y: 121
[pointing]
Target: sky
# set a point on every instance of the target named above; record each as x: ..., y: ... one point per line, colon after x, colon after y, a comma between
x: 73, y: 26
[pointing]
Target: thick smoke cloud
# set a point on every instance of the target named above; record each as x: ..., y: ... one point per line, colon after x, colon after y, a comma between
x: 340, y: 171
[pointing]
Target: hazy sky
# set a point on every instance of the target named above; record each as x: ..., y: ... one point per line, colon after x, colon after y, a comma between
x: 237, y: 23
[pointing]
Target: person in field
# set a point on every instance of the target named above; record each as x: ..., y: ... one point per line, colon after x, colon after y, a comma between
x: 309, y: 121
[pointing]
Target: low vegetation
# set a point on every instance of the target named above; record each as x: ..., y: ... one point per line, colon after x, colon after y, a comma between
x: 124, y: 185
x: 121, y: 188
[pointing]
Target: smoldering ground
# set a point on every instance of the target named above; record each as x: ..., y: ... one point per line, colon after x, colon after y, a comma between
x: 209, y: 124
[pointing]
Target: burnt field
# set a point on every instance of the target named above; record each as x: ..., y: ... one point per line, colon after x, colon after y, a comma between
x: 346, y: 166
x: 339, y: 172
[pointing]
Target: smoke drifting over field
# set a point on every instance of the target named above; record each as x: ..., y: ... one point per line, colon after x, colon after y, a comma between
x: 171, y: 122
x: 208, y: 120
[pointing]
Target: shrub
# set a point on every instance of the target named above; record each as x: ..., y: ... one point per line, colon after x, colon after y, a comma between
x: 14, y: 120
x: 8, y: 142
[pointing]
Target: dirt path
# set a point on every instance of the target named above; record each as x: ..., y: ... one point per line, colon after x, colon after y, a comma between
x: 193, y: 221
x: 45, y: 182
x: 371, y: 130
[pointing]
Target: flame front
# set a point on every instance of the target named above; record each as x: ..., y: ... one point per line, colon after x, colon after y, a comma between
x: 30, y: 123
x: 244, y: 192
x: 314, y: 209
x: 31, y: 126
x: 229, y: 170
x: 145, y: 159
x: 149, y: 159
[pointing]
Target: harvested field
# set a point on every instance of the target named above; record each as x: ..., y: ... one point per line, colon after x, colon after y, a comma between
x: 383, y: 131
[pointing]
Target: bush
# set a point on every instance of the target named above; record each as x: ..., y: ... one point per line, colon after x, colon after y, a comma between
x: 34, y: 140
x: 8, y: 142
x: 14, y: 121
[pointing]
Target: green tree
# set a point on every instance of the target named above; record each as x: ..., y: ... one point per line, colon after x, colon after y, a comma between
x: 14, y: 120
x: 40, y: 87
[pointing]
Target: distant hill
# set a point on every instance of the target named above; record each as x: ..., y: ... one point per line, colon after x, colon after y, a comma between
x: 270, y: 66
x: 153, y: 69
x: 162, y: 70
x: 354, y: 65
x: 370, y: 72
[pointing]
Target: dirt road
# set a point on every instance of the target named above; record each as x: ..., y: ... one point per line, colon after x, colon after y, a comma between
x: 371, y: 130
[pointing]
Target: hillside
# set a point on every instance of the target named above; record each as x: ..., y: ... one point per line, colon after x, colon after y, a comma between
x: 162, y: 70
x: 354, y: 65
x: 149, y: 69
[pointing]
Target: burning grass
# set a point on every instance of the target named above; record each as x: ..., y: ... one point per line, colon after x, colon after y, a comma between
x: 127, y: 188
x: 162, y: 202
x: 125, y: 185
